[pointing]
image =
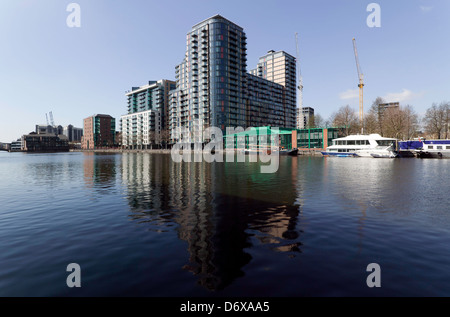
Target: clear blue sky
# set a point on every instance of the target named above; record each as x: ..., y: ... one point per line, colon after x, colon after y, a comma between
x: 76, y: 72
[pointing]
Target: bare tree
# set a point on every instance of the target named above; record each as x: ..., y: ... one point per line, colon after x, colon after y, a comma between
x: 447, y: 120
x: 399, y: 122
x: 165, y: 137
x: 371, y: 124
x: 412, y: 122
x: 375, y: 110
x: 436, y: 120
x: 347, y: 119
x: 315, y: 121
x: 393, y: 123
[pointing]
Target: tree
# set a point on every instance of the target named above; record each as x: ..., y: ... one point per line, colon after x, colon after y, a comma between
x: 371, y: 124
x: 447, y: 121
x: 393, y: 123
x: 165, y: 137
x: 436, y: 120
x: 399, y: 122
x: 347, y: 119
x: 375, y: 110
x: 315, y: 121
x: 412, y: 122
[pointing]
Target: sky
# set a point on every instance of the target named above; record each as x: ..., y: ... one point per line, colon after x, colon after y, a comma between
x: 45, y: 65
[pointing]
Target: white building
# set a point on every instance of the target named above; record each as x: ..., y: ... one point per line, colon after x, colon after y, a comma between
x: 303, y: 116
x: 141, y: 130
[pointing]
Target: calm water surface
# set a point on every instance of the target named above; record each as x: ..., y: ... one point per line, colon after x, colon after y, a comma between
x: 141, y: 225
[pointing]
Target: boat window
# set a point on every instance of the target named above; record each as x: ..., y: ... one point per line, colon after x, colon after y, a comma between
x: 430, y: 147
x: 367, y: 142
x: 384, y: 142
x: 358, y: 142
x: 438, y: 147
x: 351, y: 142
x: 448, y: 147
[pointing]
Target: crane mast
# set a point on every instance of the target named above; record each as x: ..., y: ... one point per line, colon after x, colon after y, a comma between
x: 51, y: 119
x: 299, y: 75
x: 360, y: 85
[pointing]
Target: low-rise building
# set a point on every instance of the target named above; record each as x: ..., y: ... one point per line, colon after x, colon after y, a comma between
x: 44, y: 142
x: 16, y: 146
x: 48, y: 129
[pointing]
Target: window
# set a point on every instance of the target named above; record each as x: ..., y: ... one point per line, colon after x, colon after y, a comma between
x: 438, y: 147
x: 384, y: 142
x: 430, y: 147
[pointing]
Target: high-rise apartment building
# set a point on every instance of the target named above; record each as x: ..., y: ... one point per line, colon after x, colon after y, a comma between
x: 214, y: 89
x: 99, y: 131
x: 210, y: 80
x: 264, y: 103
x: 280, y: 67
x: 147, y: 120
x: 303, y: 116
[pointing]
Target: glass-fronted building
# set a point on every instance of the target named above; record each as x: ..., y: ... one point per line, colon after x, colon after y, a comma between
x: 210, y: 89
x: 303, y: 139
x: 316, y: 138
x: 213, y: 87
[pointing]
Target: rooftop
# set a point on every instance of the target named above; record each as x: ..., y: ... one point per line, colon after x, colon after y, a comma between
x: 216, y: 17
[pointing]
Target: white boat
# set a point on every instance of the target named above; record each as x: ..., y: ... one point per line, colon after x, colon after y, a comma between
x: 434, y: 149
x: 372, y: 145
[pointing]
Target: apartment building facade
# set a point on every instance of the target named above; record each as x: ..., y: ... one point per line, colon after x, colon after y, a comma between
x: 213, y: 87
x: 147, y: 120
x: 72, y: 133
x: 304, y: 114
x: 99, y: 131
x: 280, y: 67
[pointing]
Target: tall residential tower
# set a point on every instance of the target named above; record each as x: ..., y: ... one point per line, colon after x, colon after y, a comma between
x: 214, y: 89
x: 211, y: 78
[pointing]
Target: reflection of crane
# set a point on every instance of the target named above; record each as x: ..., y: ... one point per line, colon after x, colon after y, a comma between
x: 360, y: 85
x: 299, y: 75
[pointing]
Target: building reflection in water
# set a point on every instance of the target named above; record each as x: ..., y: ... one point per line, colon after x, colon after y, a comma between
x: 99, y: 170
x: 221, y: 210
